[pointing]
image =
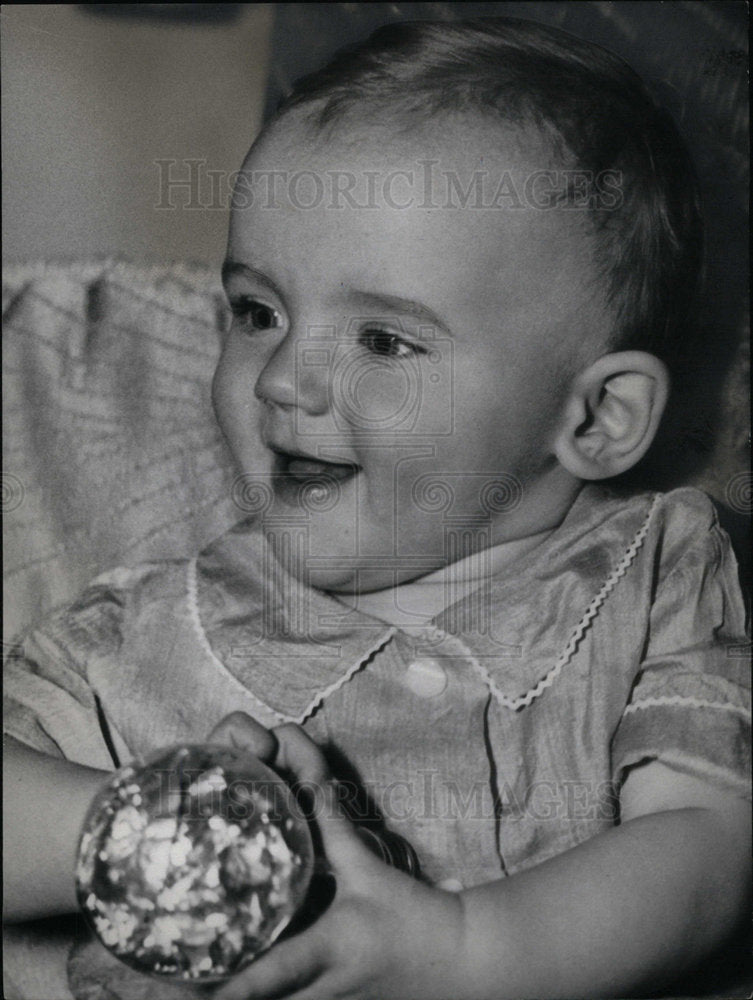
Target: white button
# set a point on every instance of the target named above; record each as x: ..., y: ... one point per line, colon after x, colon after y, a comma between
x: 450, y: 885
x: 426, y: 678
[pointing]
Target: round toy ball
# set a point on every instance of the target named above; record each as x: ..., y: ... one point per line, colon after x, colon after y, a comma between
x: 191, y: 863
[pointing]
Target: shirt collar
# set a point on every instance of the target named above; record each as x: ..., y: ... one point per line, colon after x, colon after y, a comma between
x: 289, y: 643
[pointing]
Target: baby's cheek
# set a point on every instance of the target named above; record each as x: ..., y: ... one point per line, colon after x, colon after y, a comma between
x: 236, y: 408
x: 222, y: 389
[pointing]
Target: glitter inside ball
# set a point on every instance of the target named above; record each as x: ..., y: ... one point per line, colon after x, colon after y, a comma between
x: 191, y: 863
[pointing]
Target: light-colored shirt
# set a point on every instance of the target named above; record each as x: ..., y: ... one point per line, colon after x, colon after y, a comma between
x: 492, y: 737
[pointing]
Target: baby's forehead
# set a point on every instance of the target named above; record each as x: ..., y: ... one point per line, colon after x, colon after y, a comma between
x: 414, y: 217
x: 486, y: 199
x: 482, y: 197
x: 456, y: 146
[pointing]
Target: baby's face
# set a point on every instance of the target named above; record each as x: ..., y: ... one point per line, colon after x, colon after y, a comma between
x: 395, y: 372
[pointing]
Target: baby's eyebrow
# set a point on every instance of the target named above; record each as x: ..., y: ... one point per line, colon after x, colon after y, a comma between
x: 380, y: 300
x: 231, y: 267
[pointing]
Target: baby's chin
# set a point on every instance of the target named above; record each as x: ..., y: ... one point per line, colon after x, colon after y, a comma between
x: 344, y: 576
x: 366, y: 580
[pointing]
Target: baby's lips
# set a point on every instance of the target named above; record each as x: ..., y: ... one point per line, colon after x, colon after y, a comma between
x: 308, y: 468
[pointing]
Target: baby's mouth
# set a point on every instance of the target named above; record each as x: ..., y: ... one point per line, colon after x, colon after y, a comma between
x: 304, y: 468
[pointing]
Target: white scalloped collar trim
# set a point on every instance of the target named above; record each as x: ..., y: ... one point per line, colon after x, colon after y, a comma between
x: 291, y: 698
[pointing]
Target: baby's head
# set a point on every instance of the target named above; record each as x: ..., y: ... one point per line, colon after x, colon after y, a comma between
x: 460, y: 259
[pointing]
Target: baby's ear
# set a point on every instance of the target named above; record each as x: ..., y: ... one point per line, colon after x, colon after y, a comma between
x: 612, y: 414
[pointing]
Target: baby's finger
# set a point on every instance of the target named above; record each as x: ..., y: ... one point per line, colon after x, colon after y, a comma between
x: 289, y: 966
x: 240, y: 730
x: 297, y: 754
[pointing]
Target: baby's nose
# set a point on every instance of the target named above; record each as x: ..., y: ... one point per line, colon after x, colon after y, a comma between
x: 295, y: 375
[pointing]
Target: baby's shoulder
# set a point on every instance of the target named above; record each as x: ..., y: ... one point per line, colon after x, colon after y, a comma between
x: 140, y: 583
x: 659, y: 526
x: 689, y: 508
x: 670, y: 521
x: 116, y: 601
x: 661, y: 535
x: 687, y: 528
x: 684, y: 549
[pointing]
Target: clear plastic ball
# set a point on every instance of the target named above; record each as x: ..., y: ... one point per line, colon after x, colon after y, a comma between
x: 191, y: 863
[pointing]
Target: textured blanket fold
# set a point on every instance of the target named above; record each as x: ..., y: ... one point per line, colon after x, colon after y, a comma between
x: 111, y: 451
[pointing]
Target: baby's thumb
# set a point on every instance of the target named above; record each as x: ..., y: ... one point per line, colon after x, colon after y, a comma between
x: 240, y: 730
x: 292, y: 754
x: 302, y: 759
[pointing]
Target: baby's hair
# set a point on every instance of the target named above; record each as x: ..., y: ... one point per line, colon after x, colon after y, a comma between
x: 598, y: 116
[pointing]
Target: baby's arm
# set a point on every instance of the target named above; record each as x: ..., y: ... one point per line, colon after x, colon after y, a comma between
x: 626, y: 911
x: 620, y: 914
x: 44, y: 803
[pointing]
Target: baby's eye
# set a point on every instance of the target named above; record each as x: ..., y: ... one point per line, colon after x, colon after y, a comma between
x: 255, y: 314
x: 388, y: 345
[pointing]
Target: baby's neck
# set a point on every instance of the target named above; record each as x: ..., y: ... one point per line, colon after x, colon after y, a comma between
x: 419, y: 601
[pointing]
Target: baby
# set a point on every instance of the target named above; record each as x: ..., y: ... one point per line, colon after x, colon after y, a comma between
x: 461, y: 260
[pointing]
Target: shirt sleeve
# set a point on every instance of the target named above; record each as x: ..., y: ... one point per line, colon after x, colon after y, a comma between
x: 48, y: 702
x: 690, y: 704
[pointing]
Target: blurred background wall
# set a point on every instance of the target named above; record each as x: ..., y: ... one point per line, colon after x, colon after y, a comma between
x: 92, y: 97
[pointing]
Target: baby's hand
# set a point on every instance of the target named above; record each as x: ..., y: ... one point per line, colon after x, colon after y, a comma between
x: 240, y: 730
x: 384, y: 935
